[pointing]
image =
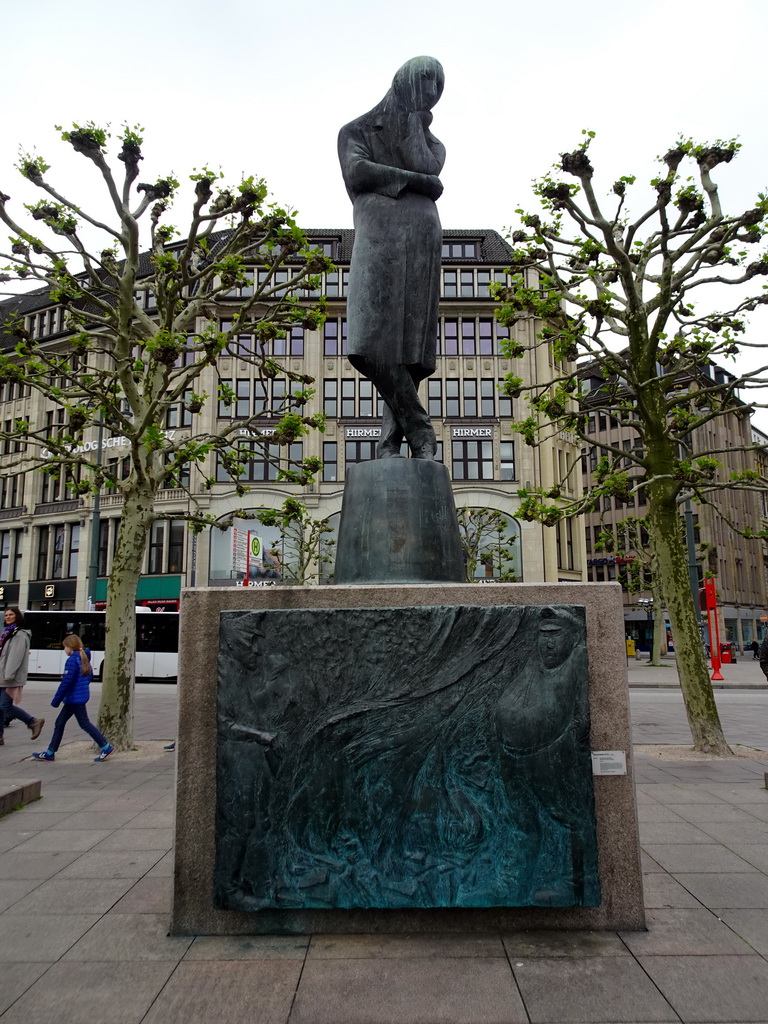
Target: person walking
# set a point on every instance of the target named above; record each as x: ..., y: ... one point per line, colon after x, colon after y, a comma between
x: 14, y: 663
x: 74, y: 692
x: 755, y: 650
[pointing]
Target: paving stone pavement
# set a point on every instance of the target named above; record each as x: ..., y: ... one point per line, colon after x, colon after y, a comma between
x: 86, y: 886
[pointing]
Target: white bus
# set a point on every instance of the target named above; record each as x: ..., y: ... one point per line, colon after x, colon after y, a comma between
x: 157, y: 642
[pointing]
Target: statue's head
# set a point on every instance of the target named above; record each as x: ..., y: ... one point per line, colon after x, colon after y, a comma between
x: 558, y: 634
x: 418, y: 84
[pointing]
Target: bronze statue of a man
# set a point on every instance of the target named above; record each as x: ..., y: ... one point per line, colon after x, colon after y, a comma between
x: 391, y: 161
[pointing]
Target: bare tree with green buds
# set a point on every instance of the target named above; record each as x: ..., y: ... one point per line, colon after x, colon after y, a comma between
x: 484, y: 539
x: 622, y: 292
x: 126, y: 362
x: 306, y: 546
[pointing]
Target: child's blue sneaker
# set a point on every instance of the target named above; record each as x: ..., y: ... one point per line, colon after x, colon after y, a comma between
x: 44, y: 755
x: 104, y: 753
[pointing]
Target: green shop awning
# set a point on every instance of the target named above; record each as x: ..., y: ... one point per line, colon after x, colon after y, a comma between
x: 168, y: 587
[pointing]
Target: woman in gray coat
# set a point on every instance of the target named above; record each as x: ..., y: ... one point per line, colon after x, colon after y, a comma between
x: 391, y: 161
x: 14, y: 659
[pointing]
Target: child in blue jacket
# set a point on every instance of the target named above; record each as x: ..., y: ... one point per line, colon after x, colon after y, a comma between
x: 74, y: 692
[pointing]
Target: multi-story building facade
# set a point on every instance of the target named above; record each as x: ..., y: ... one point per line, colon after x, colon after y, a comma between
x: 46, y: 533
x: 737, y: 562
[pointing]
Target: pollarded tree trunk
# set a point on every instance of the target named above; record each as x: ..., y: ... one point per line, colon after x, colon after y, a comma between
x: 700, y: 705
x: 116, y: 708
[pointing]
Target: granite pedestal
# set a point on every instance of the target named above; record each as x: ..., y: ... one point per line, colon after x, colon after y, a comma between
x: 201, y: 882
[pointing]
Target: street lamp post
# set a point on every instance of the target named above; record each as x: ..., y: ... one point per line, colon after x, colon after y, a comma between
x: 647, y: 603
x: 93, y: 563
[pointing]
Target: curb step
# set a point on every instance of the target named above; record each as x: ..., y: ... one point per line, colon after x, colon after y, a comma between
x: 12, y: 794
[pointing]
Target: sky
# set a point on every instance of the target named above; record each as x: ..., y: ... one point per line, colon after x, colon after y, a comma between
x: 262, y: 88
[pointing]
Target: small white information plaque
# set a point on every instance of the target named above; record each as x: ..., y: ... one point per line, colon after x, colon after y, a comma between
x: 609, y: 762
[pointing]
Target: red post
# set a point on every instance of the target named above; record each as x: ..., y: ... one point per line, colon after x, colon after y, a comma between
x: 711, y: 596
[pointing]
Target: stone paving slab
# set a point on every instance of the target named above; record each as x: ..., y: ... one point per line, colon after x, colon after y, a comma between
x: 150, y: 895
x: 87, y: 993
x: 689, y: 932
x: 712, y: 988
x: 78, y: 896
x: 737, y: 891
x: 14, y: 890
x: 565, y: 944
x: 599, y: 989
x: 15, y: 979
x: 204, y: 992
x: 42, y: 938
x: 424, y: 990
x: 660, y: 890
x: 37, y: 865
x: 397, y: 947
x: 655, y: 832
x: 675, y: 857
x: 54, y: 840
x: 112, y: 864
x: 129, y: 937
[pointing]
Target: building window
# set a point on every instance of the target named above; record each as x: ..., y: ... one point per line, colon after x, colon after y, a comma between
x: 470, y: 397
x: 359, y: 451
x: 348, y: 397
x: 452, y: 409
x: 507, y: 460
x: 176, y: 530
x: 487, y: 397
x: 16, y: 555
x: 450, y: 339
x: 335, y: 337
x: 156, y: 540
x: 225, y: 405
x: 103, y: 547
x: 483, y: 284
x: 295, y: 455
x: 74, y: 550
x: 459, y: 250
x: 435, y: 397
x: 58, y: 552
x: 472, y: 460
x: 468, y: 341
x: 12, y: 491
x: 279, y: 392
x: 242, y: 398
x: 330, y: 461
x: 505, y: 404
x: 467, y: 278
x: 5, y: 555
x: 330, y: 396
x: 331, y: 338
x: 259, y: 396
x: 296, y: 340
x: 261, y: 464
x: 42, y: 552
x: 450, y: 284
x: 365, y: 407
x: 485, y: 337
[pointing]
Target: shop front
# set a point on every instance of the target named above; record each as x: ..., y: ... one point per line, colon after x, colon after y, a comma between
x: 52, y: 595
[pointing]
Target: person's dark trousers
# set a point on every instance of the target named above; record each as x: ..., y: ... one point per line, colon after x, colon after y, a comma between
x: 9, y: 710
x: 81, y: 717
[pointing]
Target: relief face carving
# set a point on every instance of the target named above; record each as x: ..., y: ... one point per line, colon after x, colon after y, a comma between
x: 404, y: 757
